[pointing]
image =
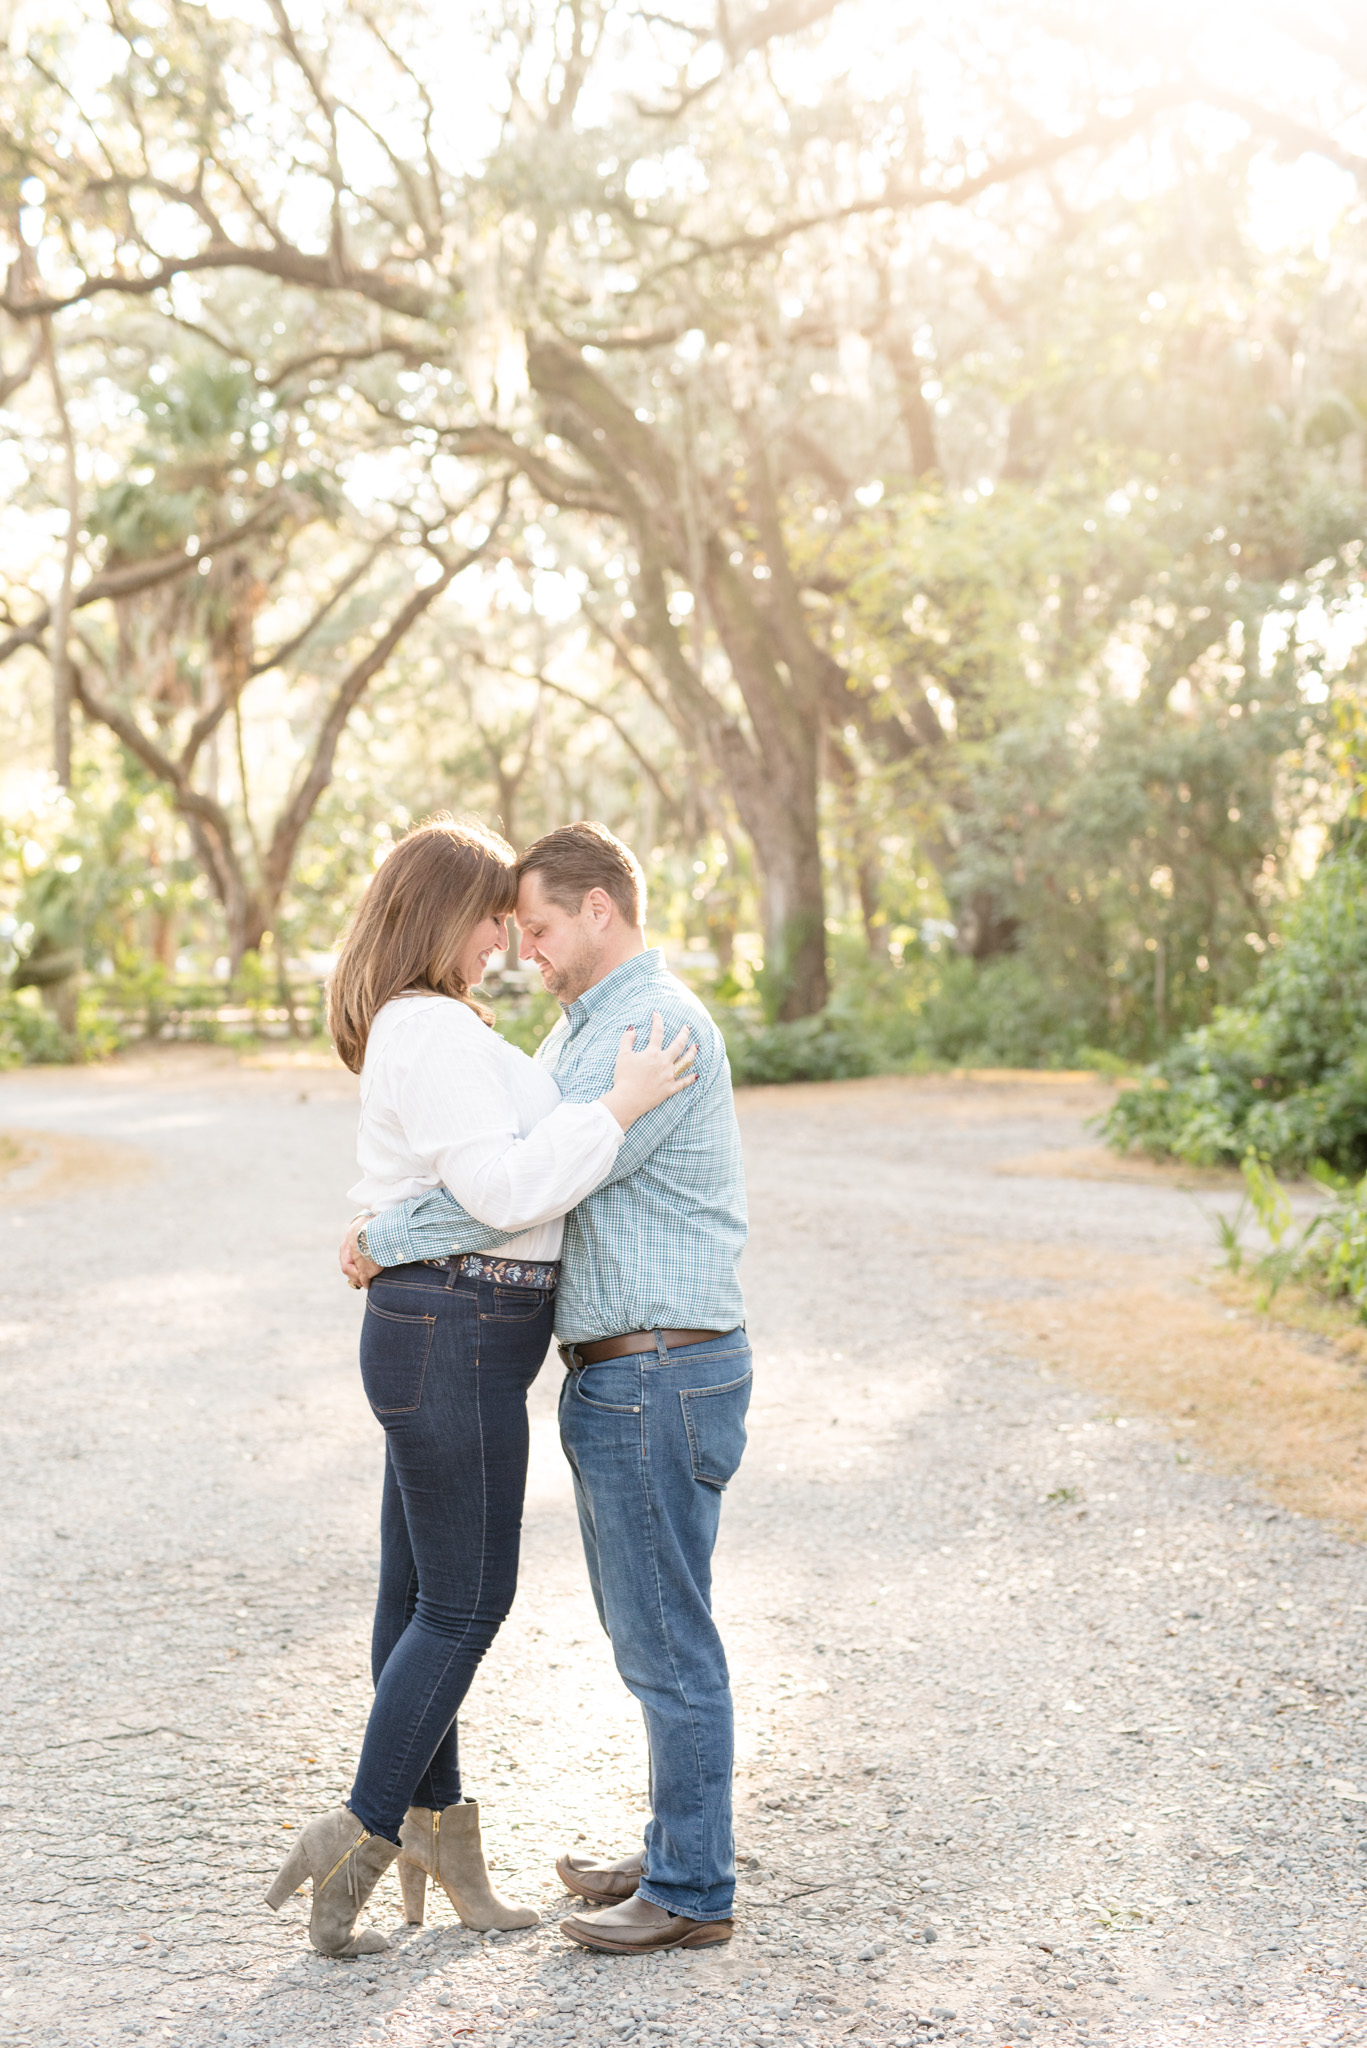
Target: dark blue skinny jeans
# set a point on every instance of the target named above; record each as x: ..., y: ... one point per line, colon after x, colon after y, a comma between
x: 446, y: 1362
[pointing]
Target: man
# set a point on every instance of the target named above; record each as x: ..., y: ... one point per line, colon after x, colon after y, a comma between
x: 652, y: 1410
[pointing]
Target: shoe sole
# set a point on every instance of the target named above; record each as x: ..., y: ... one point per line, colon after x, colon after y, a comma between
x: 696, y: 1937
x: 573, y: 1882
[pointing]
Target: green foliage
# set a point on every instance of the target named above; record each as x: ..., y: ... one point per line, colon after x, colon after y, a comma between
x: 87, y: 892
x: 254, y: 984
x: 63, y: 872
x: 141, y: 985
x: 773, y: 982
x: 1229, y: 1232
x: 1284, y: 1074
x: 1071, y: 504
x: 76, y: 874
x: 202, y: 421
x: 29, y: 1035
x: 524, y: 1015
x: 871, y: 1025
x: 1340, y: 1249
x: 1004, y: 1012
x: 811, y: 1049
x: 1327, y: 1254
x: 98, y: 1034
x: 1103, y: 706
x: 936, y: 1009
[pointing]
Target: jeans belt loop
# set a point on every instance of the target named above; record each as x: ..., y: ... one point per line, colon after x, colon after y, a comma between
x: 661, y: 1348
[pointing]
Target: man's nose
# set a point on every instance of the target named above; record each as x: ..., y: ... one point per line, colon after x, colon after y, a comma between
x: 525, y: 949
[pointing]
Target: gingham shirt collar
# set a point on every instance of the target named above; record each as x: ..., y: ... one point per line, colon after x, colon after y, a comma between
x: 647, y: 966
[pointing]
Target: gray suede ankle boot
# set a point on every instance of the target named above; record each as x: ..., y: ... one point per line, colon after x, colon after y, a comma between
x: 346, y: 1862
x: 446, y: 1847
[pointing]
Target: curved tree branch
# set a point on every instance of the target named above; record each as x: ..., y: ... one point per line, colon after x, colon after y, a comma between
x: 139, y: 576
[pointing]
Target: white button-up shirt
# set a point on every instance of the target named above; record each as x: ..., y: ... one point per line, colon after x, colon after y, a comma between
x: 447, y: 1103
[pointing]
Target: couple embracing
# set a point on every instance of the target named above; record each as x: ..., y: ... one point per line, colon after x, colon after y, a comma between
x: 595, y: 1191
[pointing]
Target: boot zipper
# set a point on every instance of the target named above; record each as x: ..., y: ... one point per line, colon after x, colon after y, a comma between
x: 364, y: 1836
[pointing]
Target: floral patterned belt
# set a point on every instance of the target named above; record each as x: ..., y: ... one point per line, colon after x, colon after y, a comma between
x: 541, y: 1273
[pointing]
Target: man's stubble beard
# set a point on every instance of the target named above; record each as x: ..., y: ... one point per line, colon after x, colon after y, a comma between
x: 568, y: 982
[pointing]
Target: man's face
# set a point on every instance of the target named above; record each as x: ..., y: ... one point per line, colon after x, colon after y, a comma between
x: 565, y: 944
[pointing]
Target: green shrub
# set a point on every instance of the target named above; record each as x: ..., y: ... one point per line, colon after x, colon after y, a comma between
x: 871, y: 1025
x: 1328, y: 1254
x: 1001, y: 1013
x: 1339, y: 1248
x: 935, y: 1009
x: 97, y: 1033
x: 812, y: 1049
x: 1284, y: 1073
x: 29, y: 1035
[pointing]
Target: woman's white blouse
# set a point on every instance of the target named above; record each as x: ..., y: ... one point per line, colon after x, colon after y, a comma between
x: 446, y: 1102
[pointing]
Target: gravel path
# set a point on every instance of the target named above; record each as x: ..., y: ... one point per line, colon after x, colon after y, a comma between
x: 1045, y: 1733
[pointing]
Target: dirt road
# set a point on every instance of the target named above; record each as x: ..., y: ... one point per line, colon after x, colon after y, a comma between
x: 1047, y: 1731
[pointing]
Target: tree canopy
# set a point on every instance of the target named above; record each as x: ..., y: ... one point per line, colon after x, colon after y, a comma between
x: 904, y: 469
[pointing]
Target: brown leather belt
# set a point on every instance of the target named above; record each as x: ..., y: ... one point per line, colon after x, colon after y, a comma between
x: 576, y: 1355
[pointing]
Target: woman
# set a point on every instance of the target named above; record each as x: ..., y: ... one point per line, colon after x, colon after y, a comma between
x: 448, y: 1348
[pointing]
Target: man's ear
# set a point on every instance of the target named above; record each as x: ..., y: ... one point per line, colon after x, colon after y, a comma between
x: 600, y: 907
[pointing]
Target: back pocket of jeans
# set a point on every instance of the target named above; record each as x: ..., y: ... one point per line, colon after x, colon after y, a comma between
x: 394, y: 1352
x: 715, y: 1420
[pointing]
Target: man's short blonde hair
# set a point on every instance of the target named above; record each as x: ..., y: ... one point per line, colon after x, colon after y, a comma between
x: 576, y: 858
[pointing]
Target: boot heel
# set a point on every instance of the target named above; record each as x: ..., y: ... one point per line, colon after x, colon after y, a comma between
x: 290, y: 1877
x: 413, y: 1885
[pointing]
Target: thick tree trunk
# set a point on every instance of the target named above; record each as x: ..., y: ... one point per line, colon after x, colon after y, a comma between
x: 778, y: 809
x: 918, y: 421
x: 247, y: 924
x: 795, y: 983
x: 61, y: 611
x: 861, y: 841
x: 985, y: 929
x: 870, y: 881
x: 246, y: 916
x: 770, y: 762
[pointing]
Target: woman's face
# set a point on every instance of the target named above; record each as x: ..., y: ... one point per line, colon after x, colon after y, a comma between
x: 489, y: 937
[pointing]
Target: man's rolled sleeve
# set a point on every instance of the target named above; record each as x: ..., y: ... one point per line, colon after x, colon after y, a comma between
x: 430, y: 1226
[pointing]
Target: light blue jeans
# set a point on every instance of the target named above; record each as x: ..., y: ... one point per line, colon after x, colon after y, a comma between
x: 652, y: 1440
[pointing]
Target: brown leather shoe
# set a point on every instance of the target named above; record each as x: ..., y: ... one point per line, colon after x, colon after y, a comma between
x: 593, y: 1877
x: 637, y: 1928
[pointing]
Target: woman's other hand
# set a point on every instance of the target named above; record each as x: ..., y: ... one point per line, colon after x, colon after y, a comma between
x: 642, y: 1080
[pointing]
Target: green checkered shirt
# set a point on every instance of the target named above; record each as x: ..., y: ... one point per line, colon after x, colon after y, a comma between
x: 656, y: 1245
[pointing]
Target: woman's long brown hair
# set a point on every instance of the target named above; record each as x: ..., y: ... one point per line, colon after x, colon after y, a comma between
x: 441, y: 880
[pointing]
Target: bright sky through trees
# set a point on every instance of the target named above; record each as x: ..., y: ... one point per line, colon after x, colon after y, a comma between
x: 868, y: 432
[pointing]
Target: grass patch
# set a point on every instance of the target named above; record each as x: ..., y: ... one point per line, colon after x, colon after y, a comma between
x: 49, y: 1166
x: 16, y: 1152
x: 1281, y: 1398
x: 1297, y: 1308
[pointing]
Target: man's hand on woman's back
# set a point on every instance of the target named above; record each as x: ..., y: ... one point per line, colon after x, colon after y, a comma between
x: 357, y: 1269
